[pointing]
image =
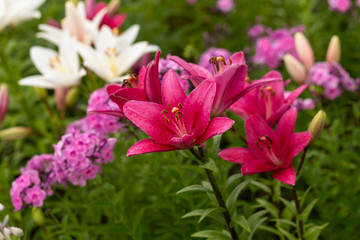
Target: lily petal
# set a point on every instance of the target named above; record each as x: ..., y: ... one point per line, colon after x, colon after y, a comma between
x: 148, y: 146
x: 286, y: 175
x: 295, y: 144
x: 124, y: 95
x: 216, y: 126
x: 152, y: 83
x: 285, y: 127
x: 115, y: 113
x: 257, y: 166
x: 237, y: 155
x: 296, y: 93
x: 238, y: 58
x: 171, y: 89
x: 37, y: 81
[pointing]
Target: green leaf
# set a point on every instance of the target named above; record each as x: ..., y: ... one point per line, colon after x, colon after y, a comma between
x: 285, y: 221
x: 262, y: 186
x: 200, y: 212
x: 206, y: 213
x: 305, y: 214
x: 303, y: 197
x: 243, y: 222
x: 211, y: 165
x: 232, y: 179
x: 313, y: 232
x: 193, y: 188
x: 231, y: 201
x: 211, y: 234
x: 268, y: 206
x: 289, y: 205
x: 255, y: 226
x: 287, y: 234
x: 186, y: 153
x: 213, y: 149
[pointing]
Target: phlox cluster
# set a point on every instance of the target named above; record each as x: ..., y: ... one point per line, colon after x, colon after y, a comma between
x: 332, y: 77
x: 271, y: 46
x: 340, y: 5
x: 78, y: 156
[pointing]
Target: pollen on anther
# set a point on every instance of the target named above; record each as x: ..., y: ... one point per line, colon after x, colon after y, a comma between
x: 174, y: 109
x: 164, y: 111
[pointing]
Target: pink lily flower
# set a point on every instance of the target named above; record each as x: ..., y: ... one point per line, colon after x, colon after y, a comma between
x: 145, y: 87
x: 109, y: 19
x: 268, y: 100
x: 229, y: 77
x: 180, y: 122
x: 270, y: 150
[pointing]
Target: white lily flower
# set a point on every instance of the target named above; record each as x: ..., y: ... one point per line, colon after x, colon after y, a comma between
x: 57, y: 69
x: 114, y: 55
x: 75, y: 23
x: 14, y: 12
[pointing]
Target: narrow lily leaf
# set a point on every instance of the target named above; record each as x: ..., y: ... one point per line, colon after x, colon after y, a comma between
x: 255, y: 226
x: 213, y: 149
x: 231, y: 201
x: 287, y: 234
x: 232, y: 179
x: 186, y: 153
x: 193, y: 188
x: 207, y: 185
x: 211, y: 234
x: 269, y: 206
x: 305, y: 214
x: 313, y: 232
x: 289, y: 205
x: 271, y: 230
x: 262, y: 186
x: 201, y: 212
x: 211, y: 165
x: 243, y: 222
x: 303, y: 197
x: 206, y: 213
x: 285, y: 221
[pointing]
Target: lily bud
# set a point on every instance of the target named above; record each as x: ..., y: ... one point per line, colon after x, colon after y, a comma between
x: 334, y: 50
x: 60, y: 94
x: 4, y: 101
x: 296, y: 70
x: 15, y: 133
x: 304, y: 50
x: 316, y: 126
x: 71, y: 97
x: 113, y: 6
x: 18, y: 232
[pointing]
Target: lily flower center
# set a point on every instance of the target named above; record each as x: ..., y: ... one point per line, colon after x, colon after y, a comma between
x: 131, y: 82
x: 219, y: 64
x: 112, y: 54
x: 265, y: 143
x: 268, y: 93
x: 174, y: 116
x: 55, y: 64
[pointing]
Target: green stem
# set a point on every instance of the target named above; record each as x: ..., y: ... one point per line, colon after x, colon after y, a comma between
x: 218, y: 195
x: 302, y: 161
x: 298, y: 212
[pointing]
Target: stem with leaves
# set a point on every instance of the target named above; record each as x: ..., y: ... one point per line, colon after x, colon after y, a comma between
x: 218, y: 195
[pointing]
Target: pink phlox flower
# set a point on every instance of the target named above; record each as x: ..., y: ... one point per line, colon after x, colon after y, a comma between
x: 35, y: 196
x: 109, y: 19
x: 268, y: 101
x: 225, y: 6
x: 339, y: 5
x: 270, y: 150
x: 180, y: 122
x: 256, y: 31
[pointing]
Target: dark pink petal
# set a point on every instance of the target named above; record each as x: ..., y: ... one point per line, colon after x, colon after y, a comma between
x: 296, y: 93
x: 238, y: 58
x: 111, y: 89
x: 149, y: 118
x: 115, y: 113
x: 246, y: 105
x: 124, y: 95
x: 257, y: 166
x: 152, y: 85
x: 255, y: 128
x: 148, y: 146
x: 197, y: 107
x: 216, y: 126
x: 196, y: 80
x: 274, y: 118
x: 295, y: 144
x: 285, y: 175
x: 89, y: 8
x: 229, y: 84
x: 193, y: 69
x: 171, y: 89
x: 237, y: 155
x: 285, y: 127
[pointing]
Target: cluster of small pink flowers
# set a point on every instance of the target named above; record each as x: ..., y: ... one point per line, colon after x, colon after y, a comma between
x: 79, y: 156
x: 34, y: 183
x: 225, y: 6
x: 340, y: 5
x: 212, y: 52
x: 100, y: 123
x: 332, y: 77
x: 300, y: 103
x: 165, y: 65
x: 271, y: 46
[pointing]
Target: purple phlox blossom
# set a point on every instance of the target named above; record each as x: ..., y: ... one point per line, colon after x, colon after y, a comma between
x: 191, y: 2
x: 225, y: 6
x: 340, y: 5
x: 34, y: 183
x: 166, y: 65
x: 270, y: 49
x: 301, y: 104
x: 332, y: 77
x: 256, y: 31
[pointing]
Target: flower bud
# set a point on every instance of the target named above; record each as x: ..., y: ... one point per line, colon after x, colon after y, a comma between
x: 113, y: 6
x: 317, y: 125
x: 304, y: 50
x: 334, y: 50
x: 38, y: 216
x: 15, y: 133
x: 4, y: 101
x: 71, y: 97
x: 296, y: 70
x: 18, y: 232
x: 60, y: 94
